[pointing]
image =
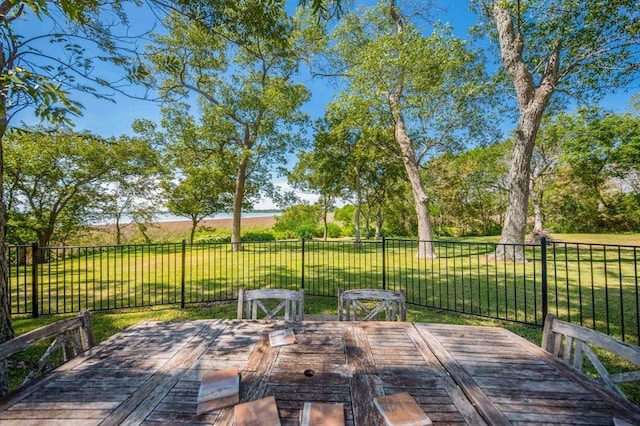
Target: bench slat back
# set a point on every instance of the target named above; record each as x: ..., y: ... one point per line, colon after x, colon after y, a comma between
x: 574, y: 343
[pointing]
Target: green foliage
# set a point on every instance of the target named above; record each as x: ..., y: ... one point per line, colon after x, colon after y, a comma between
x: 468, y: 189
x: 56, y: 180
x: 237, y: 61
x: 258, y: 236
x: 307, y: 231
x: 596, y: 186
x: 333, y: 230
x: 597, y: 41
x: 40, y: 72
x: 399, y: 212
x: 298, y: 221
x: 345, y: 214
x: 212, y: 238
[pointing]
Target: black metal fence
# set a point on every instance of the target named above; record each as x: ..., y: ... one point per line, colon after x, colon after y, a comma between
x: 590, y: 284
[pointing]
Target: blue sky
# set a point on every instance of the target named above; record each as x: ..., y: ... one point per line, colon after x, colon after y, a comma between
x: 105, y: 118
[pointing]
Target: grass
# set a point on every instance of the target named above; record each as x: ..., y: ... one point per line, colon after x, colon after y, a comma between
x: 596, y: 287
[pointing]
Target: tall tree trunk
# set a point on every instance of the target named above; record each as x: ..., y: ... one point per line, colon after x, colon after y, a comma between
x: 118, y: 230
x: 238, y: 200
x: 420, y: 196
x: 6, y: 327
x: 532, y: 101
x: 325, y: 222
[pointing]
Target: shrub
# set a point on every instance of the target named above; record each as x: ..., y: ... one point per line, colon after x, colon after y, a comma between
x: 284, y: 235
x: 213, y: 238
x: 296, y: 217
x: 258, y: 236
x: 333, y: 230
x: 345, y: 214
x: 306, y: 231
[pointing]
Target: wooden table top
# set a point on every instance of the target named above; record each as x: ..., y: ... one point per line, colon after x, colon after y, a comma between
x: 150, y: 374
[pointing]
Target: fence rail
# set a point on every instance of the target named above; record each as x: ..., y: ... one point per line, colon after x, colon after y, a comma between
x: 589, y: 284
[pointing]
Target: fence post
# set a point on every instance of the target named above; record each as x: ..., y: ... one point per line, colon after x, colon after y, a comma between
x: 35, y: 311
x: 302, y: 275
x: 183, y: 274
x: 543, y: 257
x: 384, y: 264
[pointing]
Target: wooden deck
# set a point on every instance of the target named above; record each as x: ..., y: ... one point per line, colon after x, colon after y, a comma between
x: 150, y: 373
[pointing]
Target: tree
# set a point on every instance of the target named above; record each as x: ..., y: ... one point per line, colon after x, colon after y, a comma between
x: 237, y: 62
x: 469, y: 190
x: 320, y: 171
x: 424, y: 88
x: 131, y: 189
x: 196, y: 193
x: 56, y: 178
x: 200, y: 182
x: 132, y: 197
x: 34, y: 76
x: 559, y: 47
x: 600, y: 157
x: 545, y: 161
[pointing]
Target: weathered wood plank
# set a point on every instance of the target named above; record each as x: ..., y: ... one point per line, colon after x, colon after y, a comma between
x: 142, y: 402
x: 50, y: 421
x: 511, y: 374
x: 351, y: 362
x: 56, y: 413
x: 182, y: 397
x: 483, y: 404
x: 254, y: 379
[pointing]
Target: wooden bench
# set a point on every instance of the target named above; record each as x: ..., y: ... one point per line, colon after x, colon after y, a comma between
x: 573, y: 343
x: 71, y: 337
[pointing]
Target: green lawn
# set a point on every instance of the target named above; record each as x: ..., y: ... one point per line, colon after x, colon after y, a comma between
x: 591, y: 285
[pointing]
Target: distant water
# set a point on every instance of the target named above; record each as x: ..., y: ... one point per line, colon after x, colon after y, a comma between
x: 168, y: 217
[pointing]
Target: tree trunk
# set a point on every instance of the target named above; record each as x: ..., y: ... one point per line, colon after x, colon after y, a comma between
x: 325, y: 223
x: 194, y: 225
x: 420, y: 196
x: 532, y: 101
x: 118, y: 230
x: 238, y: 200
x: 536, y: 201
x: 356, y: 220
x: 379, y: 222
x: 6, y: 327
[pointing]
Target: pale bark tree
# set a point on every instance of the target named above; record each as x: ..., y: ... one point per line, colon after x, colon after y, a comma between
x: 556, y: 46
x: 384, y: 59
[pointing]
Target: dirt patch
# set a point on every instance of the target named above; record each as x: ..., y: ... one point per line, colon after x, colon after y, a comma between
x: 174, y: 230
x: 221, y: 224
